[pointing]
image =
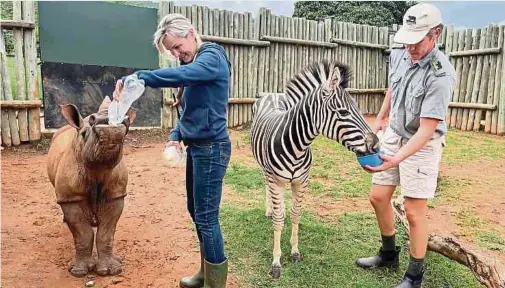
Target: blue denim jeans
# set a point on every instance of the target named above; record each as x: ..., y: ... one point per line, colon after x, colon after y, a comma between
x: 205, y: 169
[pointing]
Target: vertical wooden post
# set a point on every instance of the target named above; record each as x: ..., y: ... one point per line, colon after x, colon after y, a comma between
x: 464, y: 79
x: 501, y: 106
x: 483, y: 87
x: 20, y: 72
x: 6, y: 134
x: 491, y: 116
x: 470, y: 84
x: 7, y: 93
x: 28, y: 8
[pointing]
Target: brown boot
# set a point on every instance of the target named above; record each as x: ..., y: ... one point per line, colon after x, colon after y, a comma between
x: 197, y: 280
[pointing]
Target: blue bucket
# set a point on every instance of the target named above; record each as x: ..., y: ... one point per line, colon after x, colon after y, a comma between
x: 372, y: 160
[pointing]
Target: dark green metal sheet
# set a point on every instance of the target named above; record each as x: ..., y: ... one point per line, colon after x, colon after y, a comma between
x: 97, y: 33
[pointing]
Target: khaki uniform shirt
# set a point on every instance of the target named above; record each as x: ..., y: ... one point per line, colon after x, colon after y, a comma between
x: 421, y: 89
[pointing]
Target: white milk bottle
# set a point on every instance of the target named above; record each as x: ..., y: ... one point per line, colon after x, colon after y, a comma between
x: 132, y: 90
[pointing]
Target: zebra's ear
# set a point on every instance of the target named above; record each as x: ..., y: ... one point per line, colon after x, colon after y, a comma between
x: 333, y: 81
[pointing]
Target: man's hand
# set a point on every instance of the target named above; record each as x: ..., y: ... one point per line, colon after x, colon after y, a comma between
x: 176, y: 144
x: 389, y: 162
x: 117, y: 91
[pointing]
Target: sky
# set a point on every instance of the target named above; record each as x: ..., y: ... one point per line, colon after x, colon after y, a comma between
x: 461, y: 14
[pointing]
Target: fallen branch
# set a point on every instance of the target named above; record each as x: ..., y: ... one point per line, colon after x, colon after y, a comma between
x: 488, y: 272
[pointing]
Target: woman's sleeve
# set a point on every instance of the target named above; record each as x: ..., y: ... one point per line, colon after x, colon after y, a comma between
x: 204, y: 68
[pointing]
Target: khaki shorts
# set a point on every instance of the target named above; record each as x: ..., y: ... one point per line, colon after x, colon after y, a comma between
x: 417, y: 174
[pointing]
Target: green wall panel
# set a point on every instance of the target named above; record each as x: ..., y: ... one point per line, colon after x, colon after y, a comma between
x: 97, y: 33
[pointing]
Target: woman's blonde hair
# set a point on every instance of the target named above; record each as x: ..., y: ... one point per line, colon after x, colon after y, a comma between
x: 176, y: 25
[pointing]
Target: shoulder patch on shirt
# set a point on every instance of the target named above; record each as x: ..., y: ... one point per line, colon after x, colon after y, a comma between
x: 437, y: 67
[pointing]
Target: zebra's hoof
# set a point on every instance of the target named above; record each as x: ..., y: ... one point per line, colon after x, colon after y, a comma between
x: 296, y: 257
x: 275, y: 272
x: 268, y: 214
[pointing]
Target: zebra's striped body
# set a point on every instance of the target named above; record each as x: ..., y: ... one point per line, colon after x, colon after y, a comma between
x: 283, y: 129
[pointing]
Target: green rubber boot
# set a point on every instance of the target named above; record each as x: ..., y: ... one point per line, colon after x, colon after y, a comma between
x: 197, y: 280
x: 216, y: 274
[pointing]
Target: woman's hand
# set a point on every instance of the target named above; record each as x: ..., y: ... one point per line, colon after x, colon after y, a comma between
x: 117, y: 91
x: 177, y: 145
x: 379, y: 125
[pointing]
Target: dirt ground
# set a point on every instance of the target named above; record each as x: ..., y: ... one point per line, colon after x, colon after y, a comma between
x: 155, y: 237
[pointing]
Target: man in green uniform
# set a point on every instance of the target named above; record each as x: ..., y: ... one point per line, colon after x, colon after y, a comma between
x: 412, y: 119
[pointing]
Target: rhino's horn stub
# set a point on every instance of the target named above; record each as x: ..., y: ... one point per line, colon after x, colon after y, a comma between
x: 72, y: 115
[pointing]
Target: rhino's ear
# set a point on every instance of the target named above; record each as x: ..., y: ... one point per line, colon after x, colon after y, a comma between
x: 104, y: 107
x: 72, y: 115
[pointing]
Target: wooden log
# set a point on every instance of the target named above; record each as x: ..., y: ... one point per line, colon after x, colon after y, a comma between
x: 494, y: 85
x: 28, y: 8
x: 464, y: 78
x: 366, y: 90
x: 501, y: 105
x: 471, y: 78
x: 483, y: 86
x: 275, y: 57
x: 16, y: 24
x: 20, y: 104
x: 233, y: 41
x: 480, y: 106
x: 375, y: 68
x: 441, y: 47
x: 253, y: 52
x: 260, y: 28
x: 231, y: 101
x: 476, y: 52
x: 459, y: 77
x: 492, y: 61
x: 238, y: 55
x: 359, y: 44
x: 242, y: 76
x: 488, y: 272
x: 498, y: 84
x: 4, y: 117
x: 7, y: 95
x: 478, y: 79
x: 20, y: 73
x: 230, y: 34
x: 451, y: 37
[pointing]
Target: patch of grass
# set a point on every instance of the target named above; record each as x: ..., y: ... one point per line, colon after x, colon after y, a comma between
x: 490, y: 240
x: 463, y: 147
x: 316, y: 187
x: 244, y: 179
x: 11, y: 66
x: 448, y: 190
x: 328, y: 253
x: 333, y: 162
x: 468, y: 219
x: 482, y: 231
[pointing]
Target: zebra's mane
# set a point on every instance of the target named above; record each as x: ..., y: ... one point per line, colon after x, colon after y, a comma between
x: 313, y: 76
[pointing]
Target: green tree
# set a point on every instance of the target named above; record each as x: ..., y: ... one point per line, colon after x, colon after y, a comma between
x: 376, y: 13
x: 6, y: 14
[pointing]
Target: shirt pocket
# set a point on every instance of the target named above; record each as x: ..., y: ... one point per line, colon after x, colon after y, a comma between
x: 395, y: 87
x: 413, y: 106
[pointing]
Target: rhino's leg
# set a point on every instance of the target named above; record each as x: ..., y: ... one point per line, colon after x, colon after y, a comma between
x: 83, y: 238
x: 108, y: 216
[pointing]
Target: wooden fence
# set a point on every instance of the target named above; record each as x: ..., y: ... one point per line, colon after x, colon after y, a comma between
x: 266, y: 50
x: 20, y: 119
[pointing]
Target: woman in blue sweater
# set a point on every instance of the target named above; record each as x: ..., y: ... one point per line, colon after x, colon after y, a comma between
x: 203, y: 129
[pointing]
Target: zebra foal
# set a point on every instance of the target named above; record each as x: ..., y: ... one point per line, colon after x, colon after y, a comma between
x: 283, y: 128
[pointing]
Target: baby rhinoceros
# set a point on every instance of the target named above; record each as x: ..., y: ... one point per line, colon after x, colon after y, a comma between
x: 85, y: 167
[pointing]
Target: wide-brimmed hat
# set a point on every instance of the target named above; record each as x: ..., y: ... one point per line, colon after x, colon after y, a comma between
x: 417, y: 22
